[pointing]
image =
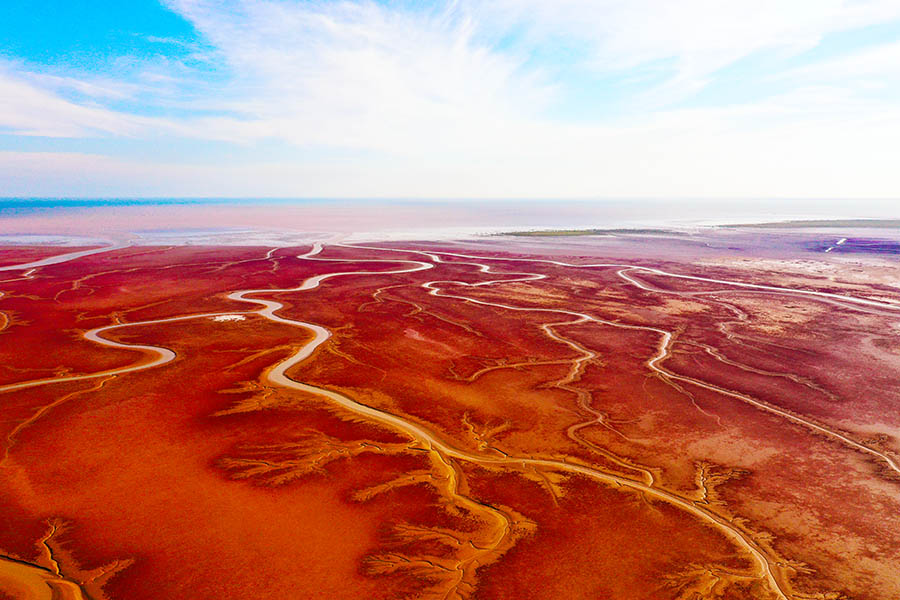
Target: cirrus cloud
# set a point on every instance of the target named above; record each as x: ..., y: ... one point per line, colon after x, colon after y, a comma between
x: 463, y: 99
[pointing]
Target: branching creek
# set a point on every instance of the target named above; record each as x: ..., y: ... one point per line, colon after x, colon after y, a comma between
x: 457, y: 579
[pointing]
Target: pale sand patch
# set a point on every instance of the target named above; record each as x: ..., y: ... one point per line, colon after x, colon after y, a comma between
x: 224, y: 318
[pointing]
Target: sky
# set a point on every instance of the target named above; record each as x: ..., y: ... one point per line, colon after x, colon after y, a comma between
x: 455, y: 99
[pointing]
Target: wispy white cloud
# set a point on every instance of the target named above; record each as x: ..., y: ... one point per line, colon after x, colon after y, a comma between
x: 686, y: 153
x: 96, y: 89
x: 27, y: 108
x: 453, y: 101
x: 695, y: 38
x: 876, y: 66
x: 361, y: 75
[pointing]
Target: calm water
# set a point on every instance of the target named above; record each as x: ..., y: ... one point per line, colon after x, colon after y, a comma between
x: 120, y: 217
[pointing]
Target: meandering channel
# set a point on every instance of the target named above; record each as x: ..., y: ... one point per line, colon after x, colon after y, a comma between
x: 768, y: 568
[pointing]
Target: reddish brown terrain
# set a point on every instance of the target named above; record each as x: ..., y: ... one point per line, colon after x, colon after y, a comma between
x: 597, y: 418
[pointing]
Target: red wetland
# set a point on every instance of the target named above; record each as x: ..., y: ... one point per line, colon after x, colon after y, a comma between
x: 614, y: 416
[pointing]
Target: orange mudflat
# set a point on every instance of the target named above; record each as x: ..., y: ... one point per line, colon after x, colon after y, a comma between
x: 494, y: 420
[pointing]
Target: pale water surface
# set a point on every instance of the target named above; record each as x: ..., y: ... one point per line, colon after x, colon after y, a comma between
x: 265, y: 221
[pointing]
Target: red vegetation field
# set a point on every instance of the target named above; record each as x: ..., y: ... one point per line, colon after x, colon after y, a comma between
x: 489, y: 427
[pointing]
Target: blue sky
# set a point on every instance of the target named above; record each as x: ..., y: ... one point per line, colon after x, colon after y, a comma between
x: 469, y: 98
x: 85, y: 34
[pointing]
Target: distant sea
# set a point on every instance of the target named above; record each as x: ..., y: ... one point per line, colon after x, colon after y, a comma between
x: 13, y: 206
x: 404, y: 218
